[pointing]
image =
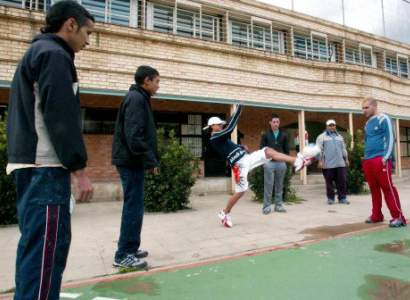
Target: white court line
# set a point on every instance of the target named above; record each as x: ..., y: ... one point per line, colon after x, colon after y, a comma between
x: 70, y: 295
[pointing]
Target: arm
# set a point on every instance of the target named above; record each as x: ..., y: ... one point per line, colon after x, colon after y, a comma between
x: 231, y: 124
x: 134, y: 124
x: 61, y: 108
x: 389, y: 138
x: 319, y: 142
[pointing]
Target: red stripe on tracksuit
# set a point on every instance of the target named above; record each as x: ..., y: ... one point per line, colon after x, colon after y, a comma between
x: 378, y: 177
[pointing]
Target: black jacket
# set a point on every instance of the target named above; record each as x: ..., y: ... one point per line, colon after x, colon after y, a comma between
x: 135, y: 136
x: 280, y: 143
x: 44, y: 120
x: 222, y: 144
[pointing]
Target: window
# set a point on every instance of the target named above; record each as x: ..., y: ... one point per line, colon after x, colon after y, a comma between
x: 111, y: 11
x: 361, y: 56
x: 403, y: 67
x: 319, y: 48
x: 391, y: 65
x: 302, y: 46
x: 186, y: 126
x: 98, y: 120
x: 405, y: 141
x: 352, y: 56
x: 15, y: 3
x: 188, y: 23
x: 240, y: 34
x: 366, y: 56
x: 3, y: 110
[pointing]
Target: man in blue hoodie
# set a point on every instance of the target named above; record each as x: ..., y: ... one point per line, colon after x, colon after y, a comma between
x: 45, y: 147
x: 377, y: 164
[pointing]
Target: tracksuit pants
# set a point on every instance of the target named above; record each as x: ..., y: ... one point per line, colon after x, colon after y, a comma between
x: 379, y: 179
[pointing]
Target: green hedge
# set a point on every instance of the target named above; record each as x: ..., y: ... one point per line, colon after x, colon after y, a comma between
x: 355, y: 175
x: 170, y: 190
x: 8, y: 211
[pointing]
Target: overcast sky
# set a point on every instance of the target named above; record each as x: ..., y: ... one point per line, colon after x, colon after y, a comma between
x: 365, y: 15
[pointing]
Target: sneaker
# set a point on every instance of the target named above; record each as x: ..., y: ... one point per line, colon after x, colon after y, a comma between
x: 130, y: 261
x: 330, y: 201
x: 226, y: 219
x: 302, y: 162
x: 344, y: 201
x: 369, y: 220
x: 395, y: 223
x: 280, y: 208
x: 267, y: 210
x: 141, y: 253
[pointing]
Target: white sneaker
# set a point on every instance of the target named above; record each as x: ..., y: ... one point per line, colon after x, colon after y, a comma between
x: 302, y: 162
x: 226, y: 219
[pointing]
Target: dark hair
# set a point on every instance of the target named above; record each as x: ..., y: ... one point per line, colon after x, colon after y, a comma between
x: 144, y: 72
x: 275, y: 116
x: 61, y: 12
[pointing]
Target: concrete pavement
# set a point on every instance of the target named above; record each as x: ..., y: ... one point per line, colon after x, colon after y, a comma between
x: 195, y: 235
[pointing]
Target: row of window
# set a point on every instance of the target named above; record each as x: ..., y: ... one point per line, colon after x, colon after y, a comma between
x: 191, y: 22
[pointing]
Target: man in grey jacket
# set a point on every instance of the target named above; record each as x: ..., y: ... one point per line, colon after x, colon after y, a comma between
x: 334, y: 162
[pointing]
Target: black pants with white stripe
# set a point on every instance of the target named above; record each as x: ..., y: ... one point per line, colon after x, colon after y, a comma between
x: 43, y: 204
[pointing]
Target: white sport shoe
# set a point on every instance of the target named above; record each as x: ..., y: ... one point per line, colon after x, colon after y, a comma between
x: 226, y: 219
x: 302, y: 162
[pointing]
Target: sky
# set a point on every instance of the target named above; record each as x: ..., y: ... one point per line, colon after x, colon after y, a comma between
x: 366, y: 15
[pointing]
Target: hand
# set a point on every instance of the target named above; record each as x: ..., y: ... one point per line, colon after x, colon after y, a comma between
x: 320, y: 164
x: 347, y: 162
x: 83, y: 186
x: 245, y: 148
x: 383, y: 162
x: 154, y: 171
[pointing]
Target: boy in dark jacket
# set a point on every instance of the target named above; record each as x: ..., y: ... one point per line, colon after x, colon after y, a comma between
x: 241, y: 161
x: 45, y: 146
x: 134, y: 150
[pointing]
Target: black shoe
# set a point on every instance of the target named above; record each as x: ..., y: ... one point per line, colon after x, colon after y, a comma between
x: 330, y: 201
x: 141, y: 253
x: 130, y: 261
x: 395, y: 223
x: 370, y: 221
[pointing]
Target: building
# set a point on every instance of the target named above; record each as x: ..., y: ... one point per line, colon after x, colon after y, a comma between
x: 212, y: 54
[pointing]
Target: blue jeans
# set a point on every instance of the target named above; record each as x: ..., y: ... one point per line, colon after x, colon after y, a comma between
x: 43, y: 211
x: 132, y: 180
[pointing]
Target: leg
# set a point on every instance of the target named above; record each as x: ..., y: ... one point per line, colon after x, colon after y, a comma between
x: 390, y: 193
x: 268, y: 182
x: 232, y: 201
x: 371, y: 173
x: 277, y: 156
x: 132, y: 180
x: 329, y: 175
x: 341, y: 184
x: 280, y: 173
x: 43, y: 197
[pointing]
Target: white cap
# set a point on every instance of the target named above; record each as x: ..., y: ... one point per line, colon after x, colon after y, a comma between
x: 328, y: 122
x: 214, y: 121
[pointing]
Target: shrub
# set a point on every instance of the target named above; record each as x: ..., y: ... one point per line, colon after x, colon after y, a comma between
x: 8, y: 211
x: 355, y: 176
x: 170, y: 190
x: 256, y: 184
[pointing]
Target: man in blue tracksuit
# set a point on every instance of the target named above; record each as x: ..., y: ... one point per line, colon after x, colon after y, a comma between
x: 241, y: 161
x: 377, y: 164
x: 45, y: 147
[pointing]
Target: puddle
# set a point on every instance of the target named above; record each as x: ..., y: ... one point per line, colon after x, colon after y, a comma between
x: 331, y: 231
x: 401, y: 247
x: 137, y: 285
x: 384, y: 288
